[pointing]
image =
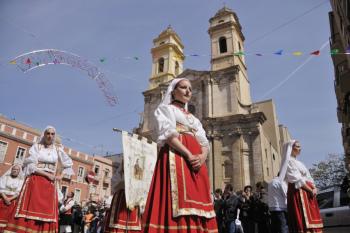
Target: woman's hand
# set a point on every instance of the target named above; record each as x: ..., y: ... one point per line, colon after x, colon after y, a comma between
x: 198, y: 162
x: 314, y: 191
x: 7, y: 200
x: 193, y: 160
x: 59, y: 178
x: 51, y: 177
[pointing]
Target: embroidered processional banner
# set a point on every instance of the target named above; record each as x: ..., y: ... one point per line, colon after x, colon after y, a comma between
x: 140, y: 157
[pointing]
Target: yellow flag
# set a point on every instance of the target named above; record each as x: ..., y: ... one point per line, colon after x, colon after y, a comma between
x: 13, y: 62
x: 297, y: 53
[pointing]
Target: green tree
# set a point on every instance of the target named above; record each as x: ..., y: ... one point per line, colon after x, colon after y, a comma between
x: 329, y: 172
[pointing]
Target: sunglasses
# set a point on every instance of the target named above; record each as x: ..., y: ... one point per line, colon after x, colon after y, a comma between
x: 48, y: 133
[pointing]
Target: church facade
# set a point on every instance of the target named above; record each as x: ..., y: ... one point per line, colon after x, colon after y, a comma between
x: 245, y: 137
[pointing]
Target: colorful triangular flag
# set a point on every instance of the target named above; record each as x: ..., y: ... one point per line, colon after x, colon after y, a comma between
x: 297, y: 53
x: 136, y: 58
x: 37, y: 63
x: 240, y: 53
x: 13, y: 62
x: 316, y: 53
x: 279, y: 52
x: 28, y: 61
x: 102, y: 60
x: 258, y: 54
x: 334, y: 51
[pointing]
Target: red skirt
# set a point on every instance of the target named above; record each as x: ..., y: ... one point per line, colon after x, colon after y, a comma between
x: 179, y: 199
x: 303, y: 212
x: 119, y: 218
x: 36, y: 209
x: 5, y: 210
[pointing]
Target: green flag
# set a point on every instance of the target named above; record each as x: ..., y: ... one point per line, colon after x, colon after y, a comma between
x: 240, y: 53
x: 334, y: 51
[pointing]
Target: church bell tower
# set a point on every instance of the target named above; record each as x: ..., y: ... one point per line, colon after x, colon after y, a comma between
x: 226, y: 40
x: 167, y: 57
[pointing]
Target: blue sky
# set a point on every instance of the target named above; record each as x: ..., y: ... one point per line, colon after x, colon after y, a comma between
x: 114, y: 29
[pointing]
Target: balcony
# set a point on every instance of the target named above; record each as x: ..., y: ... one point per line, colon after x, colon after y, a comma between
x: 66, y: 177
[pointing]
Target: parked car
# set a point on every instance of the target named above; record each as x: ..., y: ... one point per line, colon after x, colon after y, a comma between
x: 334, y: 206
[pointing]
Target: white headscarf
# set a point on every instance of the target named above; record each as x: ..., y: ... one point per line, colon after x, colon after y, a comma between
x: 167, y: 99
x: 15, y: 184
x: 286, y: 153
x: 20, y: 174
x: 41, y: 139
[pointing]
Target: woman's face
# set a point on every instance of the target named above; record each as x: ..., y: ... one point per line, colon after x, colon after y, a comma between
x: 296, y: 149
x: 183, y: 91
x: 15, y: 171
x: 49, y: 136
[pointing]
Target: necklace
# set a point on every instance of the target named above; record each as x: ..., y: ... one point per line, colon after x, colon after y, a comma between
x: 189, y: 116
x: 179, y: 104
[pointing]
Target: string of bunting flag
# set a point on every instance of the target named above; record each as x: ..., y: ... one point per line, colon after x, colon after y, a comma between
x: 296, y: 53
x: 239, y: 53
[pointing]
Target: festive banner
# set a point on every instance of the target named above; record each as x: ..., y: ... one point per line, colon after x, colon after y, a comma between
x: 140, y: 157
x: 38, y: 58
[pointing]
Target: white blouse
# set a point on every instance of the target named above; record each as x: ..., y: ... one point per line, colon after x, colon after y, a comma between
x: 10, y: 186
x: 297, y: 173
x: 168, y: 115
x: 67, y: 205
x: 38, y: 155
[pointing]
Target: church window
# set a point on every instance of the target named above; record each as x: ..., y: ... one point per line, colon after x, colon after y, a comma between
x: 227, y: 170
x: 273, y: 156
x: 221, y: 21
x: 177, y: 68
x: 161, y: 65
x: 223, y: 45
x: 3, y: 148
x: 239, y: 46
x: 20, y: 154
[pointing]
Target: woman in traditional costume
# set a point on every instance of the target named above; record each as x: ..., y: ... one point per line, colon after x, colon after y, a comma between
x: 37, y: 206
x: 65, y: 214
x: 303, y: 212
x: 10, y: 186
x: 119, y: 219
x: 179, y: 199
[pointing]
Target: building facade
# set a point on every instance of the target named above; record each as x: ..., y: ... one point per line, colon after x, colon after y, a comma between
x: 339, y: 19
x: 17, y: 138
x: 101, y: 189
x: 245, y: 137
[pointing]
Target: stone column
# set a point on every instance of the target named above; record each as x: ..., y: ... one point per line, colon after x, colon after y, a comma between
x: 217, y: 168
x: 237, y: 172
x: 258, y: 167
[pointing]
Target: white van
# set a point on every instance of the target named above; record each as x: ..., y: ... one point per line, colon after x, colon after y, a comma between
x: 334, y: 206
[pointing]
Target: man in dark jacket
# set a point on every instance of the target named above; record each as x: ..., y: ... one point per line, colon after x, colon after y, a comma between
x: 231, y: 204
x: 218, y: 207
